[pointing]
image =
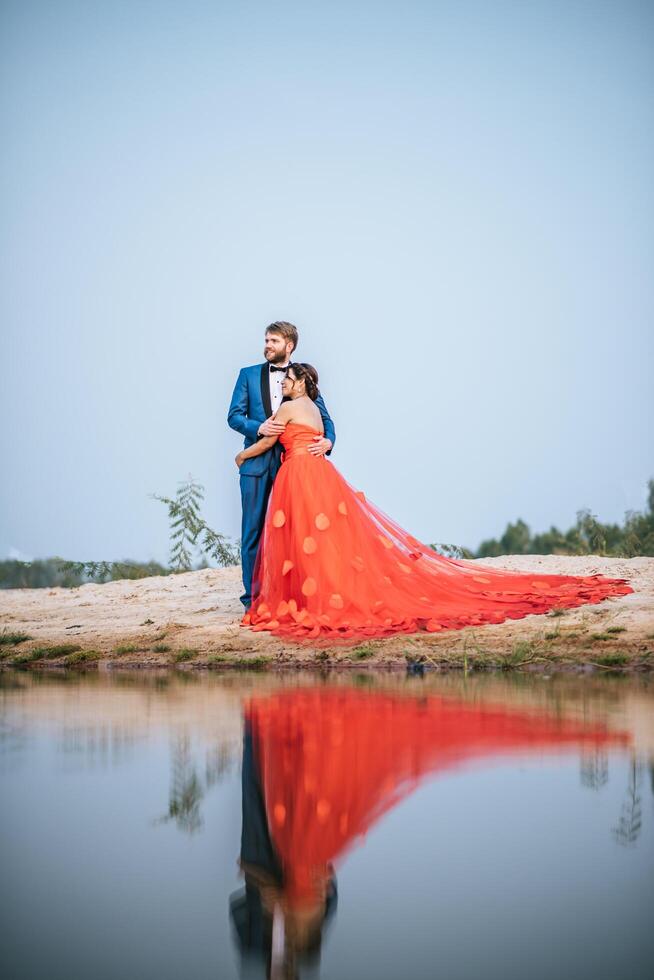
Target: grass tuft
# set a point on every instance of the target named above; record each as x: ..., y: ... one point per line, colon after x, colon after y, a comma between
x: 186, y: 653
x: 50, y: 653
x: 161, y: 648
x: 524, y: 652
x: 82, y: 657
x: 25, y: 658
x: 600, y: 636
x: 252, y: 663
x: 612, y: 660
x: 128, y: 648
x: 617, y: 629
x: 242, y: 663
x: 13, y: 639
x: 522, y: 649
x: 363, y: 652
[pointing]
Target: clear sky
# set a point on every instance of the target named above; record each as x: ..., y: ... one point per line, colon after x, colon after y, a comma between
x: 452, y: 200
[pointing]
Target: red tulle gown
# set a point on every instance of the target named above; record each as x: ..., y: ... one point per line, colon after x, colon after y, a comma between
x: 332, y: 566
x: 331, y: 762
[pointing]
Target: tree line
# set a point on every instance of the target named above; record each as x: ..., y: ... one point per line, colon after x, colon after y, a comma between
x: 587, y: 536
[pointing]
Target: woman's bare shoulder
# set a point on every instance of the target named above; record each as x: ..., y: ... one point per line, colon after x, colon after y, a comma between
x: 301, y: 414
x: 284, y: 412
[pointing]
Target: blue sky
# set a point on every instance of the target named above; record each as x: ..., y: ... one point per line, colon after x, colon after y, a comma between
x: 452, y: 201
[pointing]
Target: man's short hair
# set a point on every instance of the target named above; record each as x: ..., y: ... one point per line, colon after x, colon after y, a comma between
x: 287, y: 330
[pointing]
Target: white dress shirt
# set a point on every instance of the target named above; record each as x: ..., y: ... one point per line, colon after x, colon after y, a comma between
x: 275, y: 379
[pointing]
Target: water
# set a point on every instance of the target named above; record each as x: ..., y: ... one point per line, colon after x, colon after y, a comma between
x: 474, y: 828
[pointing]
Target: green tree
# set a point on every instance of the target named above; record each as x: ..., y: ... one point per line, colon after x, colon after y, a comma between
x: 188, y: 529
x: 587, y: 536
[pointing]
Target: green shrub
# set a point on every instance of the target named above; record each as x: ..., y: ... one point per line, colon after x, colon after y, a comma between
x: 363, y: 652
x: 60, y: 650
x: 13, y: 639
x: 128, y: 648
x: 82, y: 657
x: 186, y: 653
x: 612, y: 660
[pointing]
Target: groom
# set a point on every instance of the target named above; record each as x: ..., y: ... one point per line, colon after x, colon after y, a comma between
x: 256, y: 399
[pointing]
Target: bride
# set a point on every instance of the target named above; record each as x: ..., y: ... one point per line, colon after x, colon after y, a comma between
x: 332, y: 566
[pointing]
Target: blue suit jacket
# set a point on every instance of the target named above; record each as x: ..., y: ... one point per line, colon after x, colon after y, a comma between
x: 251, y: 406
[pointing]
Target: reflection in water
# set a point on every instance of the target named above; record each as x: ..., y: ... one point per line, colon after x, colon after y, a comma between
x: 503, y: 871
x: 187, y: 789
x: 631, y: 819
x: 13, y: 738
x: 594, y: 773
x: 322, y: 765
x: 594, y: 769
x: 96, y: 745
x: 271, y: 928
x: 219, y: 761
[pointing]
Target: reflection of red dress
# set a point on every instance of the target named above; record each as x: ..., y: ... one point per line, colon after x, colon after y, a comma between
x: 332, y: 761
x: 331, y: 565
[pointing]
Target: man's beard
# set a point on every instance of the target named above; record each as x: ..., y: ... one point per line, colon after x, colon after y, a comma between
x: 274, y: 358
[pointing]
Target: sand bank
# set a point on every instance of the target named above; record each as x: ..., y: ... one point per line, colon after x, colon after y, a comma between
x: 200, y: 612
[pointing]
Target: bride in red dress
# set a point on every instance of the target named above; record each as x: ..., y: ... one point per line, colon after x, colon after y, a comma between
x: 332, y: 566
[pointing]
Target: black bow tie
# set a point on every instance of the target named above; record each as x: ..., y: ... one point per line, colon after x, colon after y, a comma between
x: 273, y: 368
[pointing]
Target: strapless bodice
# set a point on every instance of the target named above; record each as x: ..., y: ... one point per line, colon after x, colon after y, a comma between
x: 296, y: 437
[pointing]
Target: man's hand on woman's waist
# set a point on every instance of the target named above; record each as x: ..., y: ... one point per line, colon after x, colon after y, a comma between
x: 319, y: 446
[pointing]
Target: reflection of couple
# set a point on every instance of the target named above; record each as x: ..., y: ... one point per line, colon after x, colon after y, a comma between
x: 321, y: 766
x: 271, y: 924
x: 321, y: 561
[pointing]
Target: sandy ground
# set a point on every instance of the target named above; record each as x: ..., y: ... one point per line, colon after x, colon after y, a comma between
x: 199, y: 611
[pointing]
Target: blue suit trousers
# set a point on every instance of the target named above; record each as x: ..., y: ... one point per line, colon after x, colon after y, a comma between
x: 255, y: 491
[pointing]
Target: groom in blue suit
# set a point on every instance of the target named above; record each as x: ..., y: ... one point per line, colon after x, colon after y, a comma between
x: 256, y: 399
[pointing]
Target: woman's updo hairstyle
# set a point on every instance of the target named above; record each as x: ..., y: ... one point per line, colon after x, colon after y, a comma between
x: 308, y: 374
